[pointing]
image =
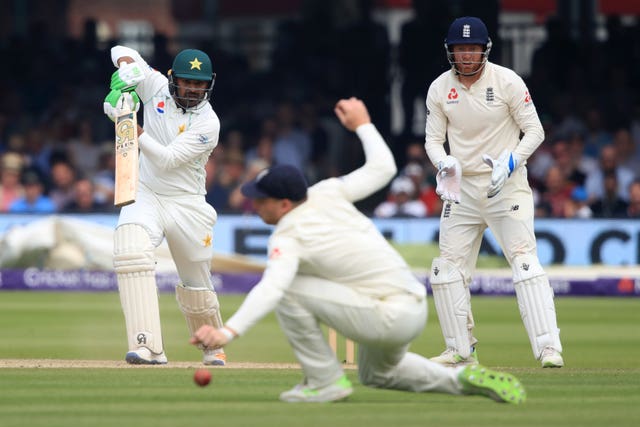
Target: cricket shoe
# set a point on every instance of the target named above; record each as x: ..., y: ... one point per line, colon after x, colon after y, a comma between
x: 339, y: 390
x: 499, y: 386
x: 215, y: 357
x: 450, y: 357
x: 551, y: 358
x: 144, y: 356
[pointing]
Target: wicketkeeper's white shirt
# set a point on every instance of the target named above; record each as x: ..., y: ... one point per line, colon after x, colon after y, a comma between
x: 484, y: 119
x: 327, y: 237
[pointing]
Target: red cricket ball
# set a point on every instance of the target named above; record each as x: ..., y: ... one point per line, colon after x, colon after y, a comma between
x: 202, y: 377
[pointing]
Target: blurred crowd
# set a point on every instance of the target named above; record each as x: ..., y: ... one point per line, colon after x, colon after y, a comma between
x: 56, y: 146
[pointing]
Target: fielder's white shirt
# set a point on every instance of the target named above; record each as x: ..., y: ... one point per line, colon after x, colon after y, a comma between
x: 328, y: 237
x: 175, y: 144
x: 486, y: 118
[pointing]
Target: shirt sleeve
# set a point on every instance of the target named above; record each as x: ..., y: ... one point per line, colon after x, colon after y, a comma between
x: 186, y: 147
x: 525, y: 115
x: 435, y: 127
x: 378, y: 169
x: 264, y: 297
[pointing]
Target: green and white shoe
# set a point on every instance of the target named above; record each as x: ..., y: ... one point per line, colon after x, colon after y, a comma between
x: 339, y: 390
x: 450, y: 357
x: 499, y: 386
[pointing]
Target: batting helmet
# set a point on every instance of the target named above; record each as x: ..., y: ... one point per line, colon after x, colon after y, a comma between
x: 191, y: 64
x: 467, y: 30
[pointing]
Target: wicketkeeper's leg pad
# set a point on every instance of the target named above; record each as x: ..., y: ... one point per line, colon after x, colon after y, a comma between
x: 452, y: 305
x: 535, y: 301
x: 134, y: 263
x: 200, y: 307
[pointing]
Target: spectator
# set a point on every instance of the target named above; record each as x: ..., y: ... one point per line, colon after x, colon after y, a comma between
x: 576, y: 206
x: 63, y: 177
x: 10, y: 187
x: 104, y: 180
x: 225, y: 180
x: 626, y: 149
x: 292, y: 145
x: 402, y: 202
x: 556, y: 194
x: 83, y: 200
x: 34, y: 199
x: 426, y: 185
x: 633, y: 211
x: 610, y: 205
x: 608, y: 164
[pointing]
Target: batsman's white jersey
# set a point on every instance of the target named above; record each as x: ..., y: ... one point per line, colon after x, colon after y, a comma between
x: 484, y: 119
x: 328, y: 238
x: 176, y: 143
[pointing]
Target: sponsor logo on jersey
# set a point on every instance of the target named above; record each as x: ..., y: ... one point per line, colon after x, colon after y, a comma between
x: 527, y: 98
x: 160, y: 107
x: 452, y: 96
x: 203, y: 139
x: 275, y: 253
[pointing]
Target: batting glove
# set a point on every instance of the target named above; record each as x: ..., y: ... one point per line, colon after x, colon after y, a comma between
x: 117, y: 103
x: 126, y: 77
x: 448, y: 179
x: 502, y: 168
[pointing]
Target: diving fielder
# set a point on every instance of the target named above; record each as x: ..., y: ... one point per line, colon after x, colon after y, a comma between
x: 180, y: 132
x: 328, y: 264
x: 481, y: 109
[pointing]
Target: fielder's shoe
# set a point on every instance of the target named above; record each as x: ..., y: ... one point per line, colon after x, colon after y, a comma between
x: 450, y: 357
x: 551, y: 358
x: 144, y: 356
x: 303, y: 393
x: 215, y: 357
x: 499, y: 386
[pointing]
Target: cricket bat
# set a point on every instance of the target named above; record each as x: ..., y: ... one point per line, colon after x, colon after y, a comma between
x: 126, y: 158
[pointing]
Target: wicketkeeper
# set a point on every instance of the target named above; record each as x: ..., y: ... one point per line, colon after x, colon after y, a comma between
x: 328, y: 264
x: 180, y: 132
x: 481, y: 109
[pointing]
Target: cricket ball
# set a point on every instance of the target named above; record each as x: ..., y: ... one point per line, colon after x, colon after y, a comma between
x: 202, y: 377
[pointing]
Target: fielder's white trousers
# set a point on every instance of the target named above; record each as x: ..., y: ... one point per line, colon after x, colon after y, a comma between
x: 383, y: 329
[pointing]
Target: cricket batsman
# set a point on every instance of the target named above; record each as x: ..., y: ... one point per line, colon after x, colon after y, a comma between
x: 481, y: 109
x: 180, y: 132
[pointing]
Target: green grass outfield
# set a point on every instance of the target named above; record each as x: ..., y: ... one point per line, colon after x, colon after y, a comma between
x: 599, y: 387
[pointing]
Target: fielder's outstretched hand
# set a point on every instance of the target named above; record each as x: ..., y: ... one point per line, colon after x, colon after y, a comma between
x: 352, y: 113
x: 211, y: 337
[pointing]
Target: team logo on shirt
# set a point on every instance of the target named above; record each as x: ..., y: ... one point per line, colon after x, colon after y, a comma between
x: 452, y: 96
x: 181, y: 128
x: 489, y: 96
x: 207, y: 240
x: 527, y: 98
x: 160, y: 107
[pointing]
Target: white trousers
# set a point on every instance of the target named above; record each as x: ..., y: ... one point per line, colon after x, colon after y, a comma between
x: 186, y: 222
x: 383, y: 329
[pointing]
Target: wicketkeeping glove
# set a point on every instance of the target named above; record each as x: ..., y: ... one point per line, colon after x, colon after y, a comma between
x: 502, y: 167
x: 117, y: 101
x: 126, y: 77
x: 448, y: 179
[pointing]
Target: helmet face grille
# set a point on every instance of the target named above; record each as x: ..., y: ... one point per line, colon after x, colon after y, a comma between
x: 194, y: 98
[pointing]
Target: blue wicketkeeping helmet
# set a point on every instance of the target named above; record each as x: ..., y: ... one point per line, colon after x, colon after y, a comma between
x: 467, y: 30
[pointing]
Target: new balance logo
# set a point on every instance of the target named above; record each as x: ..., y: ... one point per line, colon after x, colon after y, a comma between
x: 436, y: 271
x: 525, y: 266
x: 514, y: 208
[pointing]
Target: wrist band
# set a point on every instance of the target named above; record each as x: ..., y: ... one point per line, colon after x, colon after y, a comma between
x: 227, y: 333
